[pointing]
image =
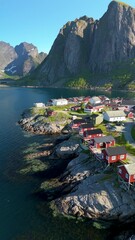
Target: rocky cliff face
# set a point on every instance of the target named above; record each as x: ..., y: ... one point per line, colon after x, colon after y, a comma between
x: 70, y: 51
x: 19, y: 60
x: 114, y: 38
x: 85, y: 45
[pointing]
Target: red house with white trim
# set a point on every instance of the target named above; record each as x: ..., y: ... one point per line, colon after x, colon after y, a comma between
x: 94, y: 108
x: 89, y: 134
x: 127, y: 172
x: 75, y: 108
x: 130, y: 115
x: 103, y: 142
x: 85, y: 127
x: 114, y: 154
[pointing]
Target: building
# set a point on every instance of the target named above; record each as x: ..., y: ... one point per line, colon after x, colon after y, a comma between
x: 114, y: 116
x: 103, y: 142
x: 77, y: 122
x: 59, y: 102
x: 90, y: 134
x: 85, y: 127
x: 95, y: 100
x: 94, y: 108
x: 130, y: 115
x: 127, y: 172
x: 96, y: 119
x: 39, y: 105
x: 50, y: 112
x: 114, y: 154
x: 76, y: 108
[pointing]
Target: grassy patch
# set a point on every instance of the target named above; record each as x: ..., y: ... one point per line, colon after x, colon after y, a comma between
x: 130, y: 149
x: 133, y: 132
x: 120, y: 140
x: 36, y: 110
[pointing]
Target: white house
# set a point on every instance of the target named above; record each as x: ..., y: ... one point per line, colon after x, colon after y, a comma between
x: 114, y: 116
x: 95, y: 100
x: 39, y: 105
x: 59, y: 102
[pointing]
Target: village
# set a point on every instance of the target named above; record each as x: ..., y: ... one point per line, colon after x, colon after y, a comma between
x: 98, y: 111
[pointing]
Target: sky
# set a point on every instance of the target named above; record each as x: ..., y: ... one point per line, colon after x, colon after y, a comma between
x: 39, y: 21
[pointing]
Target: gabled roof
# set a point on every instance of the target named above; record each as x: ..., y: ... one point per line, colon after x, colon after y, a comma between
x: 94, y: 131
x: 104, y: 139
x: 117, y: 113
x: 95, y: 98
x: 94, y: 115
x: 87, y: 125
x: 111, y: 151
x: 130, y: 168
x: 79, y: 121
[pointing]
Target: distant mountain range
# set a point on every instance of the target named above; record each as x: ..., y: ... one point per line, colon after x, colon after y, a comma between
x: 101, y: 51
x: 19, y: 61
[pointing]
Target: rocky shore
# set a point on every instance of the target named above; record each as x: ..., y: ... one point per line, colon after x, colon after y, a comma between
x: 78, y: 184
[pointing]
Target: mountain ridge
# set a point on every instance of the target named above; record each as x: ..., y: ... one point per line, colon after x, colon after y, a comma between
x: 19, y: 60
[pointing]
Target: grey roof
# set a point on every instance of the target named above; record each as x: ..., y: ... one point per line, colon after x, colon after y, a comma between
x: 79, y: 121
x: 116, y: 113
x: 111, y: 151
x: 130, y: 168
x: 87, y: 125
x: 94, y: 131
x: 104, y: 139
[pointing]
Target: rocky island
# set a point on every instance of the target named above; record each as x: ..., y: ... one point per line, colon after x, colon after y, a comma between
x: 76, y: 181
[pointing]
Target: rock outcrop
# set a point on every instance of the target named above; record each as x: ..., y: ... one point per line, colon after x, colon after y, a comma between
x: 85, y: 45
x: 97, y: 195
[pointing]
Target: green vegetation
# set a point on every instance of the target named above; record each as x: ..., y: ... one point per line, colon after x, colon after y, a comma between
x: 77, y: 83
x: 61, y: 108
x: 130, y: 149
x: 120, y: 140
x: 36, y: 110
x: 108, y: 85
x: 58, y: 117
x: 122, y: 3
x: 133, y: 132
x: 131, y: 86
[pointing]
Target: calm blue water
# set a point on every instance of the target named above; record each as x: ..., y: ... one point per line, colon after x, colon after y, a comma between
x: 20, y: 212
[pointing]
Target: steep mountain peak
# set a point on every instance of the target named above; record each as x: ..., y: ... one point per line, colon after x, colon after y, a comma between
x: 26, y: 49
x: 115, y: 4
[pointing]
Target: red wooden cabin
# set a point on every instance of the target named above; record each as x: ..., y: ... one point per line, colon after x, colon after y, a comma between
x: 127, y: 172
x: 89, y: 134
x: 75, y: 108
x: 103, y: 142
x: 114, y: 154
x: 130, y: 115
x: 85, y: 127
x: 77, y: 122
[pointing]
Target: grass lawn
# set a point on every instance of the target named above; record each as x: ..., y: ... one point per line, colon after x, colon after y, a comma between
x: 133, y: 132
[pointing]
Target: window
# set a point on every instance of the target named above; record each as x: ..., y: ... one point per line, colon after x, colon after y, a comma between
x: 126, y: 175
x: 113, y: 157
x: 122, y: 156
x: 120, y: 170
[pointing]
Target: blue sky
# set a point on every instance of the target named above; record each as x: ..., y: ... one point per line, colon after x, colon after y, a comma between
x: 39, y: 21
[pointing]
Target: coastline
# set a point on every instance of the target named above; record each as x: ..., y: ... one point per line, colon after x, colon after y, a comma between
x: 76, y: 170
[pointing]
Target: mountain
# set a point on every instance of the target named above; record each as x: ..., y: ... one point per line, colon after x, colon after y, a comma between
x: 87, y: 48
x: 19, y: 61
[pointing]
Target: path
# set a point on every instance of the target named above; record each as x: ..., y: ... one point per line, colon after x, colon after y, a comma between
x: 127, y: 133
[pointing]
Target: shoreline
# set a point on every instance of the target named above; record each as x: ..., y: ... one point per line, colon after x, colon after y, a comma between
x: 76, y: 88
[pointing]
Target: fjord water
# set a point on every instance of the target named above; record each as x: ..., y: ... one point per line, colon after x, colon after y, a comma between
x: 21, y: 215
